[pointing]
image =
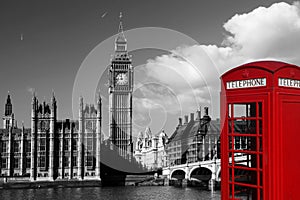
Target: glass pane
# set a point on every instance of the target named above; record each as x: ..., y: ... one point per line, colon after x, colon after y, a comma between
x: 230, y: 191
x: 245, y: 176
x: 237, y: 142
x: 260, y: 109
x: 245, y: 143
x: 245, y: 160
x: 245, y: 193
x: 229, y: 126
x: 230, y: 142
x: 260, y: 161
x: 260, y: 144
x: 260, y: 124
x: 245, y: 126
x: 261, y: 178
x: 244, y: 110
x: 230, y: 174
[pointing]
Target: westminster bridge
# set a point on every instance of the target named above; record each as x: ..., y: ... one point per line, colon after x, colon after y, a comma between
x: 205, y: 173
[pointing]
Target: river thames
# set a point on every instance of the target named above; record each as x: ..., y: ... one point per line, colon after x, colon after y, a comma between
x: 113, y: 193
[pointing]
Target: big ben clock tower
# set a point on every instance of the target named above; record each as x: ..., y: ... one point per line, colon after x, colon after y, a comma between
x: 120, y: 97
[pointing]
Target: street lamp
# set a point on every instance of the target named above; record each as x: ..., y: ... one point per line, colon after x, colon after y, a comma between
x: 202, y: 131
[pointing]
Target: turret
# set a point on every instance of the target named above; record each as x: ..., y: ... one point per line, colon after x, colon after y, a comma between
x: 80, y: 140
x: 43, y: 111
x: 53, y: 106
x: 80, y: 107
x: 99, y: 114
x: 81, y: 117
x: 99, y: 105
x: 98, y: 137
x: 33, y: 105
x: 8, y: 106
x: 8, y: 118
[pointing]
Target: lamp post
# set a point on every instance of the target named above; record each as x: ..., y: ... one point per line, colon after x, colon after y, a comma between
x: 202, y: 131
x: 213, y: 181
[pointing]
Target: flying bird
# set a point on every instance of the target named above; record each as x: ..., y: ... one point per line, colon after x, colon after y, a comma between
x: 103, y: 15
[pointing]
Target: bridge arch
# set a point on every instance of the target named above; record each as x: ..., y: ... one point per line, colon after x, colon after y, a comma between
x: 178, y: 174
x: 200, y: 174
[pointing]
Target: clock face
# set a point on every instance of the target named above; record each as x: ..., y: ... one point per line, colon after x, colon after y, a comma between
x: 121, y: 79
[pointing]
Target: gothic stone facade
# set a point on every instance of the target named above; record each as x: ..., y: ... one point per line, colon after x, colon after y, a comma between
x: 51, y: 149
x: 150, y: 149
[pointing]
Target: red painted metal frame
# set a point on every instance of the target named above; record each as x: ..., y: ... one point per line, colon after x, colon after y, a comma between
x: 279, y: 135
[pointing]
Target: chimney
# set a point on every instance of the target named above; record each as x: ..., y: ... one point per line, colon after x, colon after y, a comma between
x: 180, y: 121
x: 206, y: 117
x: 192, y: 117
x: 199, y: 114
x: 206, y: 111
x: 186, y: 119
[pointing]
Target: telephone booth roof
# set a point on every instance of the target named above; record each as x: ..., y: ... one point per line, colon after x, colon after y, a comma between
x: 270, y: 66
x: 260, y: 75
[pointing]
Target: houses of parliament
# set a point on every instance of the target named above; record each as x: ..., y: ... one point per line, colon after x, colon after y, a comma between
x: 65, y: 149
x: 51, y: 148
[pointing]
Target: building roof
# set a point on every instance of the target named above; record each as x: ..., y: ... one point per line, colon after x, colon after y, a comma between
x: 190, y: 130
x: 271, y: 66
x: 177, y: 133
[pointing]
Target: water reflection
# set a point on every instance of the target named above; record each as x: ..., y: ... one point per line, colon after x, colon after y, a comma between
x: 107, y: 193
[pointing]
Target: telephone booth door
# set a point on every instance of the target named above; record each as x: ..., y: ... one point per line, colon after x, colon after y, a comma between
x: 244, y: 146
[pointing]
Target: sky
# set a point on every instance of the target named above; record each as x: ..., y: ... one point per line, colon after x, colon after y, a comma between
x: 179, y: 51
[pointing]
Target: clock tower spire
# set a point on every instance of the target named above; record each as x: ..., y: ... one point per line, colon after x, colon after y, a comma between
x: 120, y: 96
x: 121, y: 42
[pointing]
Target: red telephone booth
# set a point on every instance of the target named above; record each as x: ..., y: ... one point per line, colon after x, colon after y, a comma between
x: 260, y: 138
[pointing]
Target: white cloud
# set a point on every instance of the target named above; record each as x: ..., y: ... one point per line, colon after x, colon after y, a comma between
x: 192, y: 72
x: 264, y: 33
x: 155, y: 96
